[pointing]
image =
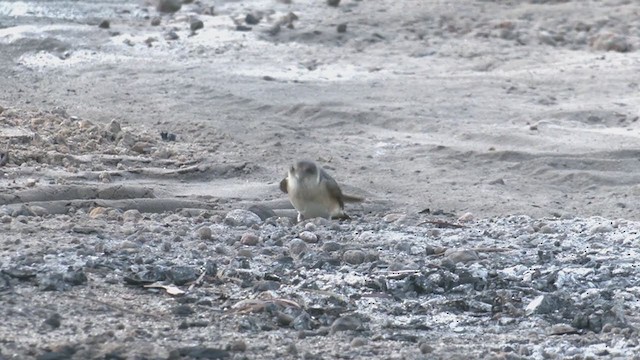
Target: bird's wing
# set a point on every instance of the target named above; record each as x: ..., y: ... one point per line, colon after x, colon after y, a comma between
x: 283, y: 185
x: 332, y: 187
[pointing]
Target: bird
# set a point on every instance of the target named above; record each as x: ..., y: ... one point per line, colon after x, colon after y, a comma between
x: 314, y: 193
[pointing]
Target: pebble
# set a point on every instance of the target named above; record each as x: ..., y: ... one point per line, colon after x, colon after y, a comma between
x: 196, y: 24
x: 104, y: 24
x: 309, y: 237
x: 251, y: 19
x: 39, y: 210
x: 342, y: 28
x: 240, y: 217
x: 346, y: 323
x: 466, y: 217
x: 333, y: 3
x: 249, y: 239
x: 297, y: 246
x: 358, y: 342
x: 600, y: 229
x: 354, y: 257
x: 238, y: 346
x: 461, y: 255
x: 204, y: 233
x: 331, y: 246
x: 168, y: 6
x: 155, y: 21
x: 131, y: 215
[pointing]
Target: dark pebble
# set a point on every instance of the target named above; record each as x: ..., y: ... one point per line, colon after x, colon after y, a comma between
x: 243, y: 28
x: 346, y: 323
x: 54, y: 320
x: 104, y: 24
x: 181, y: 275
x: 342, y: 28
x: 333, y: 2
x: 251, y: 19
x: 182, y: 310
x: 168, y: 6
x: 196, y: 24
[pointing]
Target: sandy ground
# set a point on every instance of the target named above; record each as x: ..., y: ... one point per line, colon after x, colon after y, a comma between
x: 423, y: 107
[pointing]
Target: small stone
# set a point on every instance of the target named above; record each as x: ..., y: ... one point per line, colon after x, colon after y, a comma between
x: 297, y: 246
x: 543, y: 304
x: 54, y: 320
x: 309, y: 237
x: 252, y: 19
x: 346, y: 323
x: 331, y: 246
x: 466, y: 217
x: 389, y: 218
x: 611, y: 42
x: 238, y: 346
x: 249, y: 239
x: 171, y: 35
x: 196, y: 24
x: 602, y: 228
x: 245, y: 252
x: 358, y: 342
x: 461, y: 255
x: 155, y: 21
x: 168, y: 6
x: 97, y: 212
x: 498, y: 181
x: 31, y: 182
x: 182, y: 310
x: 204, y: 233
x: 333, y: 3
x: 131, y: 215
x: 240, y: 217
x: 105, y: 177
x: 546, y: 229
x: 425, y: 348
x: 354, y: 257
x: 342, y: 28
x: 113, y: 128
x: 38, y: 210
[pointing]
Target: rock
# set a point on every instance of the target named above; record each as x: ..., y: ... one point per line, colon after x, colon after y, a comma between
x: 333, y: 3
x: 466, y: 217
x: 181, y: 275
x: 358, y: 342
x: 155, y: 21
x: 249, y: 239
x: 600, y: 229
x: 266, y: 285
x: 238, y: 346
x: 104, y: 24
x: 240, y: 217
x: 31, y: 182
x: 105, y: 177
x: 425, y: 348
x: 389, y: 218
x: 262, y: 211
x: 611, y: 42
x: 543, y: 304
x: 196, y: 24
x: 131, y: 215
x: 252, y: 19
x: 461, y: 255
x: 354, y: 257
x: 182, y: 310
x: 38, y: 210
x: 342, y: 28
x: 168, y: 6
x: 54, y: 320
x: 346, y: 323
x: 97, y: 212
x: 331, y: 246
x: 204, y: 233
x: 297, y: 246
x: 113, y: 128
x: 309, y: 237
x: 171, y: 35
x: 243, y: 28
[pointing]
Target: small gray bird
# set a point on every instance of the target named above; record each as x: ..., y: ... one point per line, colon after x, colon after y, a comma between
x: 314, y: 193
